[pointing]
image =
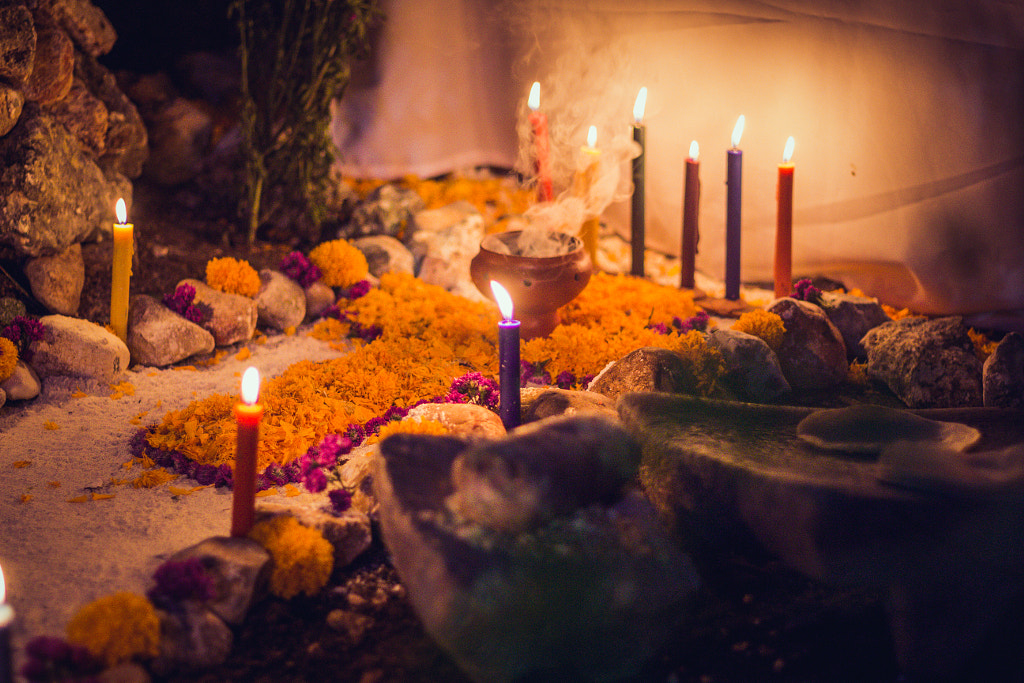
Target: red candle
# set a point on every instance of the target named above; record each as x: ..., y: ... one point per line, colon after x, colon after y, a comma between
x: 247, y: 415
x: 539, y: 122
x: 691, y: 203
x: 508, y: 359
x: 784, y: 224
x: 733, y: 206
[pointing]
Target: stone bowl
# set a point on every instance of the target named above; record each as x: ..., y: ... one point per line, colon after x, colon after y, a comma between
x: 591, y: 593
x: 538, y: 285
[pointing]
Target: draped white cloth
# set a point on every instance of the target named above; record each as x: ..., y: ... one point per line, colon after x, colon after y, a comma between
x: 908, y: 119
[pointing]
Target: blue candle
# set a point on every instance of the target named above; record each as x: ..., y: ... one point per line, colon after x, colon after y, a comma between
x: 733, y: 203
x: 508, y: 359
x: 637, y: 219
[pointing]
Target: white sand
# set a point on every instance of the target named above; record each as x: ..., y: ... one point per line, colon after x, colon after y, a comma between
x: 57, y: 556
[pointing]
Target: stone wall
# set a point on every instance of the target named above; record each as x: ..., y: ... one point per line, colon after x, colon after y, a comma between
x: 70, y: 140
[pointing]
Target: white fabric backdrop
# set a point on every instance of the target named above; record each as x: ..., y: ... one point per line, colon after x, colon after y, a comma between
x: 907, y: 118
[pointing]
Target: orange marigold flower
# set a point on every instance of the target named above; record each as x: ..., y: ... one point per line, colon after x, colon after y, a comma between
x: 117, y: 628
x: 8, y: 358
x: 233, y: 276
x: 303, y: 559
x: 764, y: 324
x: 341, y: 263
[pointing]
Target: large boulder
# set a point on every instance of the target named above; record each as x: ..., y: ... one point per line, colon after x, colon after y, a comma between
x: 86, y: 23
x: 53, y: 66
x: 927, y: 363
x: 853, y: 316
x: 812, y: 354
x: 281, y: 301
x: 158, y: 336
x: 233, y: 316
x: 125, y: 146
x: 645, y: 369
x: 752, y: 369
x: 17, y: 44
x: 52, y: 194
x: 74, y: 347
x: 57, y: 280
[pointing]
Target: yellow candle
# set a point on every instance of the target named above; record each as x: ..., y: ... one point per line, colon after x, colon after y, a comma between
x: 581, y: 184
x: 121, y: 271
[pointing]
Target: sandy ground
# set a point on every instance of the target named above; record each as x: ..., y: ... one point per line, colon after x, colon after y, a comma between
x: 57, y: 555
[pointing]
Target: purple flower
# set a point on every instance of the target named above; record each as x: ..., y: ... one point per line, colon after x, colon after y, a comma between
x: 315, y: 480
x: 533, y: 373
x: 332, y: 448
x: 181, y: 580
x: 206, y: 474
x: 805, y: 291
x: 275, y: 474
x: 359, y: 289
x: 225, y: 476
x: 341, y: 500
x: 23, y: 331
x: 565, y: 379
x: 181, y: 299
x: 660, y: 328
x: 299, y: 268
x: 54, y: 659
x: 473, y: 387
x: 696, y: 322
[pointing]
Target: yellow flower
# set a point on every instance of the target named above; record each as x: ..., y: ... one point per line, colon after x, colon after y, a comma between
x: 763, y: 324
x: 117, y: 628
x: 8, y: 358
x: 233, y: 276
x: 302, y: 558
x: 341, y: 264
x: 704, y: 363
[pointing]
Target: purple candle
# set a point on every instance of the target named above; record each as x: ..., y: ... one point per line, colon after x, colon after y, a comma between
x: 637, y: 219
x: 508, y: 358
x: 733, y: 203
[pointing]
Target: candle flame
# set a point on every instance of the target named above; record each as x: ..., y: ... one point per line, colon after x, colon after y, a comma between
x: 640, y: 105
x: 787, y: 153
x: 251, y: 386
x: 738, y: 130
x: 3, y: 587
x: 694, y: 150
x: 534, y: 101
x: 592, y: 136
x: 121, y: 211
x: 503, y: 298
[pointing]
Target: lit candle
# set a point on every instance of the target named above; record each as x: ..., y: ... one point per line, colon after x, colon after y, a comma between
x: 508, y: 358
x: 6, y: 619
x: 691, y: 204
x: 247, y: 414
x: 733, y: 202
x: 121, y: 271
x: 784, y: 224
x: 638, y: 222
x: 539, y: 122
x: 582, y: 181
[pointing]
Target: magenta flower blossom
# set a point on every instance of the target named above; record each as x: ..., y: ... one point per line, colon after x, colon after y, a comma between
x: 299, y: 268
x: 178, y: 580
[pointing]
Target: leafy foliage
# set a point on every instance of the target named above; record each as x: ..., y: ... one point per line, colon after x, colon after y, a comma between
x: 295, y: 57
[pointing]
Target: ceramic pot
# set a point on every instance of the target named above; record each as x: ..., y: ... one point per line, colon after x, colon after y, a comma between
x: 538, y: 285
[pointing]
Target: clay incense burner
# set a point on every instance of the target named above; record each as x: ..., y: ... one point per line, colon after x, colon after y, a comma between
x: 553, y: 273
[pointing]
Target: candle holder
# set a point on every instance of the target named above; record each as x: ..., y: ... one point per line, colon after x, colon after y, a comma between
x: 556, y: 272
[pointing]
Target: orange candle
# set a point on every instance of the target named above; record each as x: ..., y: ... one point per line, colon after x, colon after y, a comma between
x: 784, y: 225
x: 691, y: 204
x: 247, y: 415
x: 581, y: 184
x: 539, y: 122
x: 121, y: 271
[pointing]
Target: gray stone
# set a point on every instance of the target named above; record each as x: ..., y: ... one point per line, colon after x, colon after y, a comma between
x: 812, y: 354
x: 52, y: 67
x: 87, y: 25
x: 239, y: 568
x: 527, y: 480
x: 126, y: 146
x: 234, y: 316
x: 539, y: 403
x: 444, y: 242
x: 281, y: 302
x: 179, y: 134
x: 11, y: 103
x: 646, y: 369
x: 853, y: 316
x: 57, y: 281
x: 1003, y: 374
x: 3, y: 397
x: 17, y: 44
x: 385, y: 254
x: 926, y: 363
x: 319, y: 297
x: 23, y: 384
x: 356, y: 475
x: 74, y: 347
x: 467, y: 420
x: 586, y: 597
x: 752, y: 369
x: 84, y: 116
x: 388, y: 210
x: 51, y: 194
x: 349, y: 532
x: 125, y: 672
x: 191, y: 637
x: 158, y: 336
